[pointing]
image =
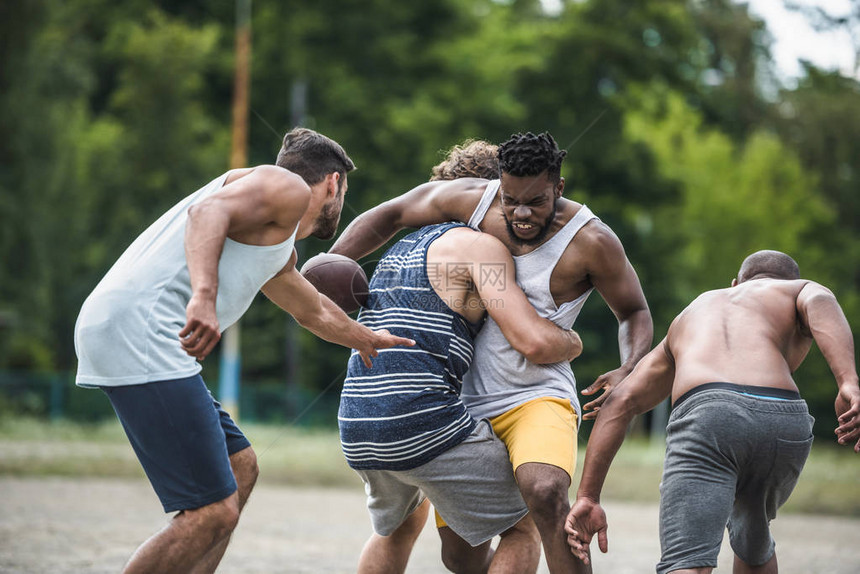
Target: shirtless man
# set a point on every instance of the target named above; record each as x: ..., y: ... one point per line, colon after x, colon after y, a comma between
x: 533, y: 408
x: 739, y: 433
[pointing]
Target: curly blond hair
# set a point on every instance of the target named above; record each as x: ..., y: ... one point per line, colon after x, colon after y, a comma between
x: 472, y: 158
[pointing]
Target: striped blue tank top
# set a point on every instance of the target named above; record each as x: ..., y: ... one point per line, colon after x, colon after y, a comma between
x: 406, y: 409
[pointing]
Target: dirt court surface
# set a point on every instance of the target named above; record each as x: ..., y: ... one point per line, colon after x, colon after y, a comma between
x: 59, y: 525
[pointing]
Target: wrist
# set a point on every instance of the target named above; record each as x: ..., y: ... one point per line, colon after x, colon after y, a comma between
x: 850, y: 380
x: 588, y: 496
x: 205, y: 292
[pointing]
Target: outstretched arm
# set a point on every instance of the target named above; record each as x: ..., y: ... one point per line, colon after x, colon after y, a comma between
x: 427, y: 204
x: 251, y: 200
x: 821, y: 314
x: 320, y: 315
x: 648, y: 385
x: 538, y: 339
x: 615, y: 279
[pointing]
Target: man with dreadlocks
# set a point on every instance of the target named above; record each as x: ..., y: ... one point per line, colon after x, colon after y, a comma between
x: 562, y: 252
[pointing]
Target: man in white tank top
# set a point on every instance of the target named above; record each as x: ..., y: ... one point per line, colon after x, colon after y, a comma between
x: 564, y: 252
x: 162, y: 307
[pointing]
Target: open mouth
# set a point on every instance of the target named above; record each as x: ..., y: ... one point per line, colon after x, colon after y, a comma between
x: 521, y: 226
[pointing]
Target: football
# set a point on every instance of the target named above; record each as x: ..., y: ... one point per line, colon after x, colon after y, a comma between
x: 339, y: 278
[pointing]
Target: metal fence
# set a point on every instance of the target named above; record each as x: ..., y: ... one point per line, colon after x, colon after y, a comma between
x: 54, y: 396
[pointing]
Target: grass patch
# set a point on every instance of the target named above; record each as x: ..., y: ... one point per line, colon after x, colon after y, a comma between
x: 830, y: 483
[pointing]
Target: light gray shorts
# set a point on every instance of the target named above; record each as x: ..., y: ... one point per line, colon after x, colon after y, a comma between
x: 471, y: 485
x: 731, y: 459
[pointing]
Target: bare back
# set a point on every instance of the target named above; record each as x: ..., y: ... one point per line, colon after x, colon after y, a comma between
x: 750, y: 334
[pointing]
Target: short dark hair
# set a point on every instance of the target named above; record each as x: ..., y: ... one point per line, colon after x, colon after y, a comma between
x: 312, y: 155
x: 775, y: 264
x: 528, y: 154
x: 472, y: 158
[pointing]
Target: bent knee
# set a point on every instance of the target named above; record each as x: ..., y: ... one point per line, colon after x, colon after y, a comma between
x: 226, y: 514
x: 474, y: 560
x: 546, y: 496
x: 526, y: 530
x: 219, y: 518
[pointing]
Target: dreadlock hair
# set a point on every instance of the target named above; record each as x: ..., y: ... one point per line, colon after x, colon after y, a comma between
x: 528, y: 154
x: 472, y: 158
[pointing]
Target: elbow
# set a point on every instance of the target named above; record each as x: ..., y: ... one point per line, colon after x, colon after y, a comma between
x: 544, y: 351
x: 194, y: 210
x: 621, y: 403
x: 313, y: 316
x: 538, y: 352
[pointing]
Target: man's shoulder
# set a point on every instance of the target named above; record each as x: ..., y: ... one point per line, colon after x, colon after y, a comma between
x: 470, y: 243
x: 596, y: 240
x: 466, y: 190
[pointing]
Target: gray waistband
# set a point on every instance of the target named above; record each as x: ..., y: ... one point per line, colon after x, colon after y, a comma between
x: 757, y: 402
x: 749, y: 390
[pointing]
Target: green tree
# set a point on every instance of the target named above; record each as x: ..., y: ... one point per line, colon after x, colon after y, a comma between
x: 734, y: 200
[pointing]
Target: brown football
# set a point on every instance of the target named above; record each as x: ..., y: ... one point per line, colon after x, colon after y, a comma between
x: 339, y: 278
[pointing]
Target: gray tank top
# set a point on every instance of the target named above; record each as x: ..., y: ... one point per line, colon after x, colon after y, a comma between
x: 127, y: 332
x: 500, y: 377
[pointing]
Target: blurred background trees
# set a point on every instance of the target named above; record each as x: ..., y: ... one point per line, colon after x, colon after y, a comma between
x: 680, y: 136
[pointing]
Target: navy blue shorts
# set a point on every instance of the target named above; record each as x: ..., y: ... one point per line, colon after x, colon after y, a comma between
x: 183, y: 439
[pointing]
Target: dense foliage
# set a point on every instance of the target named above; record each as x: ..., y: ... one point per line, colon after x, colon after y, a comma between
x: 680, y: 137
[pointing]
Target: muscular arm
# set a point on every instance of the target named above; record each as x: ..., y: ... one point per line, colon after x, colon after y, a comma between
x: 820, y: 313
x: 615, y: 279
x: 538, y: 339
x: 429, y: 203
x: 648, y: 385
x: 267, y: 195
x: 320, y: 315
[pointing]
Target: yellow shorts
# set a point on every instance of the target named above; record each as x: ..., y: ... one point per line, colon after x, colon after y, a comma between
x: 540, y: 430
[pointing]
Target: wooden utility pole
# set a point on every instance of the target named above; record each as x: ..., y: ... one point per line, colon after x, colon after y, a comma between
x: 231, y: 358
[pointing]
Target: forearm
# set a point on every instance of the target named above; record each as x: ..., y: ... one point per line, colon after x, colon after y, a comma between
x: 367, y: 233
x: 552, y: 344
x: 328, y: 321
x: 635, y: 335
x: 647, y: 386
x: 606, y: 438
x: 205, y: 233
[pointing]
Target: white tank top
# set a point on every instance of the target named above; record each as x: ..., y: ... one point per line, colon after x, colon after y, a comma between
x: 127, y: 332
x: 500, y: 377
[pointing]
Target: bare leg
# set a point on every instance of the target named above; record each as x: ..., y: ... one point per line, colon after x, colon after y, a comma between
x: 769, y: 567
x: 545, y: 490
x: 518, y: 551
x: 389, y: 554
x: 245, y: 469
x: 461, y: 558
x: 190, y: 535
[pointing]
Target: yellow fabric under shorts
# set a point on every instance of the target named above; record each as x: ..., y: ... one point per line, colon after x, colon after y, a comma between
x: 540, y: 430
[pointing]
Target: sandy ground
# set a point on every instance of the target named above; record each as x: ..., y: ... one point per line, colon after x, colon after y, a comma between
x: 59, y: 525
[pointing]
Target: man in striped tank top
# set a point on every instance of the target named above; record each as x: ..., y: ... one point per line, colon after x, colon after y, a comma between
x: 562, y: 252
x: 403, y: 426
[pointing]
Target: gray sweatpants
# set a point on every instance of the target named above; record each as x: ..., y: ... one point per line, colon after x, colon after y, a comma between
x: 731, y: 459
